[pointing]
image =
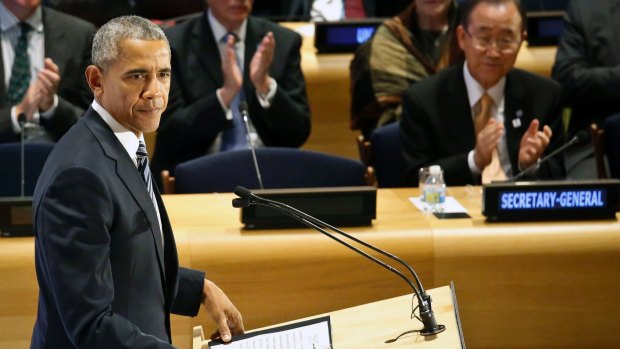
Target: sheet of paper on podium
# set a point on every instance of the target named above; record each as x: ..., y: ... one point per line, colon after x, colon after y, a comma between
x: 309, y: 334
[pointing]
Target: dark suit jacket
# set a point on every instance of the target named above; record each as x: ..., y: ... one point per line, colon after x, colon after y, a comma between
x: 68, y: 42
x: 194, y: 116
x: 105, y: 279
x: 437, y: 126
x: 587, y: 63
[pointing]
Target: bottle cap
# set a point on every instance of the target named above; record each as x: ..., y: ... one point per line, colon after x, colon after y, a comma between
x: 435, y: 170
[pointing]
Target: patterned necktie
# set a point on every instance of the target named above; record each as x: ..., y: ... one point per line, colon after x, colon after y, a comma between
x: 493, y: 171
x: 235, y: 137
x: 20, y: 74
x: 143, y: 168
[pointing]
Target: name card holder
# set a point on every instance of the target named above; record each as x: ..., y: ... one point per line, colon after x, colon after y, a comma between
x: 551, y: 200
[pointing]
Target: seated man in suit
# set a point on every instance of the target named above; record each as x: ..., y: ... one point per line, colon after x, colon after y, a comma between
x: 44, y: 55
x: 484, y: 117
x: 106, y: 258
x: 220, y: 59
x: 587, y: 64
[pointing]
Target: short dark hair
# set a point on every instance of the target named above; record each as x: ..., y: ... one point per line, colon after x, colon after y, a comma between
x: 468, y: 6
x: 106, y: 43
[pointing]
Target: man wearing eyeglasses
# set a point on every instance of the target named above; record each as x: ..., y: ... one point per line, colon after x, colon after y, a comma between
x: 484, y: 120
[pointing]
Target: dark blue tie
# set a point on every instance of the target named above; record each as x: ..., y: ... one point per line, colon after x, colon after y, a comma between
x: 20, y: 74
x: 235, y: 137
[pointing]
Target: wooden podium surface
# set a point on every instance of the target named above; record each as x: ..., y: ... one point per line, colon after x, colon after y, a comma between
x: 386, y: 324
x: 519, y: 285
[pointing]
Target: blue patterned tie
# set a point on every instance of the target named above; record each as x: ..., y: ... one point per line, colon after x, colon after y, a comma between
x: 143, y: 168
x: 20, y: 74
x: 235, y: 137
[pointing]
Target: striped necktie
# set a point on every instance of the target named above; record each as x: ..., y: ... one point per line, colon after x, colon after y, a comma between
x: 143, y: 168
x: 20, y: 73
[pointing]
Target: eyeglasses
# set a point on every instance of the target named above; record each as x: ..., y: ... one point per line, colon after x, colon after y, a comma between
x: 505, y: 44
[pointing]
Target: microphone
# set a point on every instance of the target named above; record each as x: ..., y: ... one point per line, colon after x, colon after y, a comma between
x: 21, y: 119
x: 580, y: 137
x: 243, y: 110
x: 427, y: 316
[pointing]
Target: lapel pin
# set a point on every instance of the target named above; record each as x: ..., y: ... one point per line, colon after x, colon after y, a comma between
x: 516, y: 122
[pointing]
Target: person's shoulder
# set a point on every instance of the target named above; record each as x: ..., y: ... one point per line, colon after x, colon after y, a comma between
x: 181, y: 29
x: 431, y: 84
x: 278, y: 30
x: 533, y: 79
x: 75, y: 23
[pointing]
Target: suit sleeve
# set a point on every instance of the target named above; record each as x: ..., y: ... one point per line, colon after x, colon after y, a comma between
x: 420, y: 137
x: 76, y: 249
x: 574, y: 69
x: 286, y: 123
x: 189, y: 293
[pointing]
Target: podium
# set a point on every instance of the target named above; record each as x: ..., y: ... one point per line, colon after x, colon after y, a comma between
x: 375, y: 325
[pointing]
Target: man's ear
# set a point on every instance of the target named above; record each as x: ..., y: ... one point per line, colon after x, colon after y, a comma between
x: 93, y: 76
x: 460, y: 35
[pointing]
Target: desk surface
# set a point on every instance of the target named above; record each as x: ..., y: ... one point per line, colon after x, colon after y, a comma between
x: 522, y: 285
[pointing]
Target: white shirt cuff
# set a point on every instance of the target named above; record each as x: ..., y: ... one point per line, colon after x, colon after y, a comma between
x: 15, y: 122
x: 48, y: 113
x: 265, y: 100
x: 472, y: 164
x: 227, y: 111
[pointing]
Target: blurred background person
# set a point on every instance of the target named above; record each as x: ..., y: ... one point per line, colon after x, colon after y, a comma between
x: 44, y: 56
x: 220, y: 59
x: 587, y: 64
x: 484, y: 120
x: 405, y: 49
x: 326, y: 10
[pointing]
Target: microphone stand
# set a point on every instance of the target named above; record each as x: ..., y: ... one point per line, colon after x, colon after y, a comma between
x: 427, y: 315
x: 243, y: 109
x: 581, y: 136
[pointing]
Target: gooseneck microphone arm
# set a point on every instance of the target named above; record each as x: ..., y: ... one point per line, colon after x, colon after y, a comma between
x: 580, y: 137
x: 427, y: 316
x: 243, y: 110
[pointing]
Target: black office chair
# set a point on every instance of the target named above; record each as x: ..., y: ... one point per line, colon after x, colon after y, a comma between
x: 386, y: 156
x: 35, y: 155
x: 279, y: 167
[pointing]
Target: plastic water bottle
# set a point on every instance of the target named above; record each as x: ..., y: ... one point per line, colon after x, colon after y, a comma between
x: 435, y: 190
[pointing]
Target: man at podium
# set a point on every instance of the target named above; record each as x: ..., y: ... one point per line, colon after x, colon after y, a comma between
x: 106, y: 258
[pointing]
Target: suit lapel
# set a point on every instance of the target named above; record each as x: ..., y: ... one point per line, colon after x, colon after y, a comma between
x: 129, y: 175
x: 514, y: 102
x: 3, y: 96
x: 456, y: 109
x: 202, y: 43
x: 253, y: 37
x: 54, y: 37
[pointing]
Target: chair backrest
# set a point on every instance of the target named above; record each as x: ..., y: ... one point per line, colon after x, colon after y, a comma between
x: 386, y: 156
x: 279, y: 167
x: 35, y: 155
x: 611, y: 125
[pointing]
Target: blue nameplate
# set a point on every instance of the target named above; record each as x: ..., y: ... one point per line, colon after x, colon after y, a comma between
x: 551, y: 200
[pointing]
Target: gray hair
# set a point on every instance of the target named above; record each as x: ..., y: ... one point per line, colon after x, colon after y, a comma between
x: 106, y: 44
